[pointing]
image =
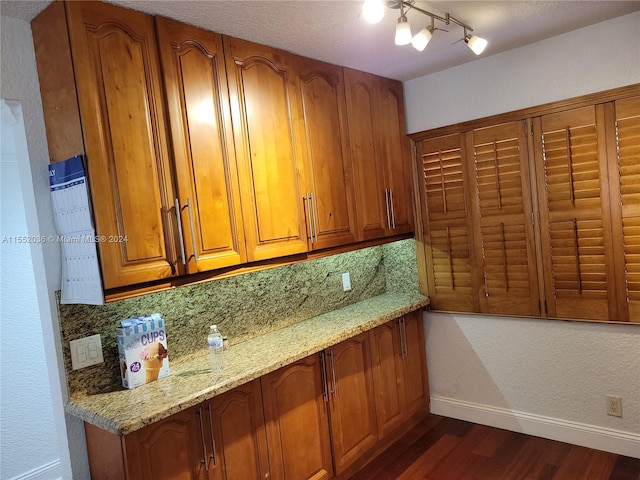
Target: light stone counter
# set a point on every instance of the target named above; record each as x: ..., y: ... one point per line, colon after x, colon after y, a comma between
x: 192, y: 382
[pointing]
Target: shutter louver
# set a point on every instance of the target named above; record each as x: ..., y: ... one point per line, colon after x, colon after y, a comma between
x: 448, y: 243
x: 506, y: 252
x: 574, y: 225
x: 628, y: 167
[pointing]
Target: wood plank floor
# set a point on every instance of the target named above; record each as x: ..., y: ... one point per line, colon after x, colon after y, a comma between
x: 441, y: 448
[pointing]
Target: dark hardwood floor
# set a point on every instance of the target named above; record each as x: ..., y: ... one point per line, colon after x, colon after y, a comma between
x: 441, y: 448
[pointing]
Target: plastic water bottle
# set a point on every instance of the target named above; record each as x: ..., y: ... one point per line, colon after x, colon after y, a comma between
x: 216, y: 354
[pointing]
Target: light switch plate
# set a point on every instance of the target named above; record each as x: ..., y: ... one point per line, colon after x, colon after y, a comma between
x: 86, y: 351
x: 346, y: 282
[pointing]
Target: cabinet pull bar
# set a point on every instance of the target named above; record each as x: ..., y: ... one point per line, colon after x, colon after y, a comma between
x: 179, y: 219
x: 386, y: 201
x: 393, y: 209
x: 314, y: 217
x: 307, y: 199
x: 323, y: 364
x: 193, y: 234
x: 204, y: 446
x: 213, y: 440
x: 403, y: 337
x: 333, y: 374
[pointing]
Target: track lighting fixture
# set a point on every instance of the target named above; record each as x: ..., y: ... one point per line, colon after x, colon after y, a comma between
x: 373, y: 11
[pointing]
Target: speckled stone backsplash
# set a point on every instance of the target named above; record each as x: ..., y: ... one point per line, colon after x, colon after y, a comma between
x: 242, y: 306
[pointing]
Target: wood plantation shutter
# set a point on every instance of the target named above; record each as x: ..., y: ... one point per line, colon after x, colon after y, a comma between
x: 574, y: 214
x: 505, y: 248
x: 624, y: 171
x: 448, y: 231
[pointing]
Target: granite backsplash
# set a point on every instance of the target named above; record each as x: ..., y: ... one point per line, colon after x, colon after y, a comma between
x: 242, y: 306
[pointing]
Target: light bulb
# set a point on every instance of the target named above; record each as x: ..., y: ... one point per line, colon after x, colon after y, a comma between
x: 403, y: 31
x: 422, y: 39
x: 373, y: 10
x: 476, y: 44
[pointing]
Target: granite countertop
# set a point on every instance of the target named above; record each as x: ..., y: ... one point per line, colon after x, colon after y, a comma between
x: 191, y: 381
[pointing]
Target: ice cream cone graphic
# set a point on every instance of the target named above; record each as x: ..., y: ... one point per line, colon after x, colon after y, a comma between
x: 153, y: 356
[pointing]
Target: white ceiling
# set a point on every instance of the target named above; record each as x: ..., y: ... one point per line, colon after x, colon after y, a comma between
x: 333, y: 30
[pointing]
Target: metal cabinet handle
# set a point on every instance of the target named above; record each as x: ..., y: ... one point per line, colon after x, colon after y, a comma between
x: 386, y: 201
x: 333, y: 374
x: 323, y: 364
x: 393, y: 210
x: 179, y: 218
x: 204, y: 446
x: 314, y: 217
x: 213, y: 440
x: 403, y: 337
x: 193, y: 235
x: 307, y: 199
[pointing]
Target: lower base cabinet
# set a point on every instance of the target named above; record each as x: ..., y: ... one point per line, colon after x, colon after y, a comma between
x: 321, y: 417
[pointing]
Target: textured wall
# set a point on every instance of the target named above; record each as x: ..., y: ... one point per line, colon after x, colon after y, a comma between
x: 589, y: 60
x: 20, y: 82
x: 547, y: 368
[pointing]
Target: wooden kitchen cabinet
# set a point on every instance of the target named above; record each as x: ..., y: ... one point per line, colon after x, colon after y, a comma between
x: 295, y: 406
x: 207, y: 201
x: 380, y: 155
x: 354, y: 428
x: 329, y: 195
x: 264, y: 106
x: 106, y: 77
x: 399, y: 371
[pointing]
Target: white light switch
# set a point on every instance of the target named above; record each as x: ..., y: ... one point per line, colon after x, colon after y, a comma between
x: 86, y: 351
x: 346, y: 282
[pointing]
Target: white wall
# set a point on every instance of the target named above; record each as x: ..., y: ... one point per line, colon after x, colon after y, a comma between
x: 589, y: 60
x: 20, y: 82
x: 543, y: 377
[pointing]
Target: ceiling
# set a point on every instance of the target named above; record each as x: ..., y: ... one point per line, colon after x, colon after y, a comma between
x: 333, y: 30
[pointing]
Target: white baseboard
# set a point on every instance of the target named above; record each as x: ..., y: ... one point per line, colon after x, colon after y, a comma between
x: 591, y: 436
x: 49, y: 471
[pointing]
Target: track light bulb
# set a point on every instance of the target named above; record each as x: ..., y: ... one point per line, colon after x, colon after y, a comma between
x: 373, y: 10
x: 421, y: 39
x: 403, y: 31
x: 476, y: 44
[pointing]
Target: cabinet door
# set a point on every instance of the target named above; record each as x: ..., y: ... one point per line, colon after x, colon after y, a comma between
x: 448, y: 229
x: 263, y: 106
x: 121, y: 104
x: 502, y: 210
x: 297, y: 425
x: 171, y: 449
x: 394, y: 150
x: 623, y: 144
x: 198, y: 108
x: 573, y: 192
x: 330, y: 202
x: 416, y: 379
x: 388, y: 382
x: 371, y: 199
x: 353, y: 414
x: 239, y: 446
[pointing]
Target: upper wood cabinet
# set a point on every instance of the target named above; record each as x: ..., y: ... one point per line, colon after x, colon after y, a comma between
x: 264, y: 102
x: 208, y: 196
x: 329, y: 195
x: 537, y: 217
x: 380, y: 154
x: 117, y: 76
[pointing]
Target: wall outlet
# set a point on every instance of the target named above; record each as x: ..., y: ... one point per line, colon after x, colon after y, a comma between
x: 614, y: 405
x: 86, y: 351
x: 346, y: 282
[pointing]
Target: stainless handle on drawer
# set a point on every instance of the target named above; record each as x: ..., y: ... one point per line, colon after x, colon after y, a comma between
x: 393, y: 209
x: 213, y: 440
x: 386, y: 201
x: 333, y: 374
x: 323, y: 364
x: 193, y: 235
x: 204, y: 446
x: 179, y: 218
